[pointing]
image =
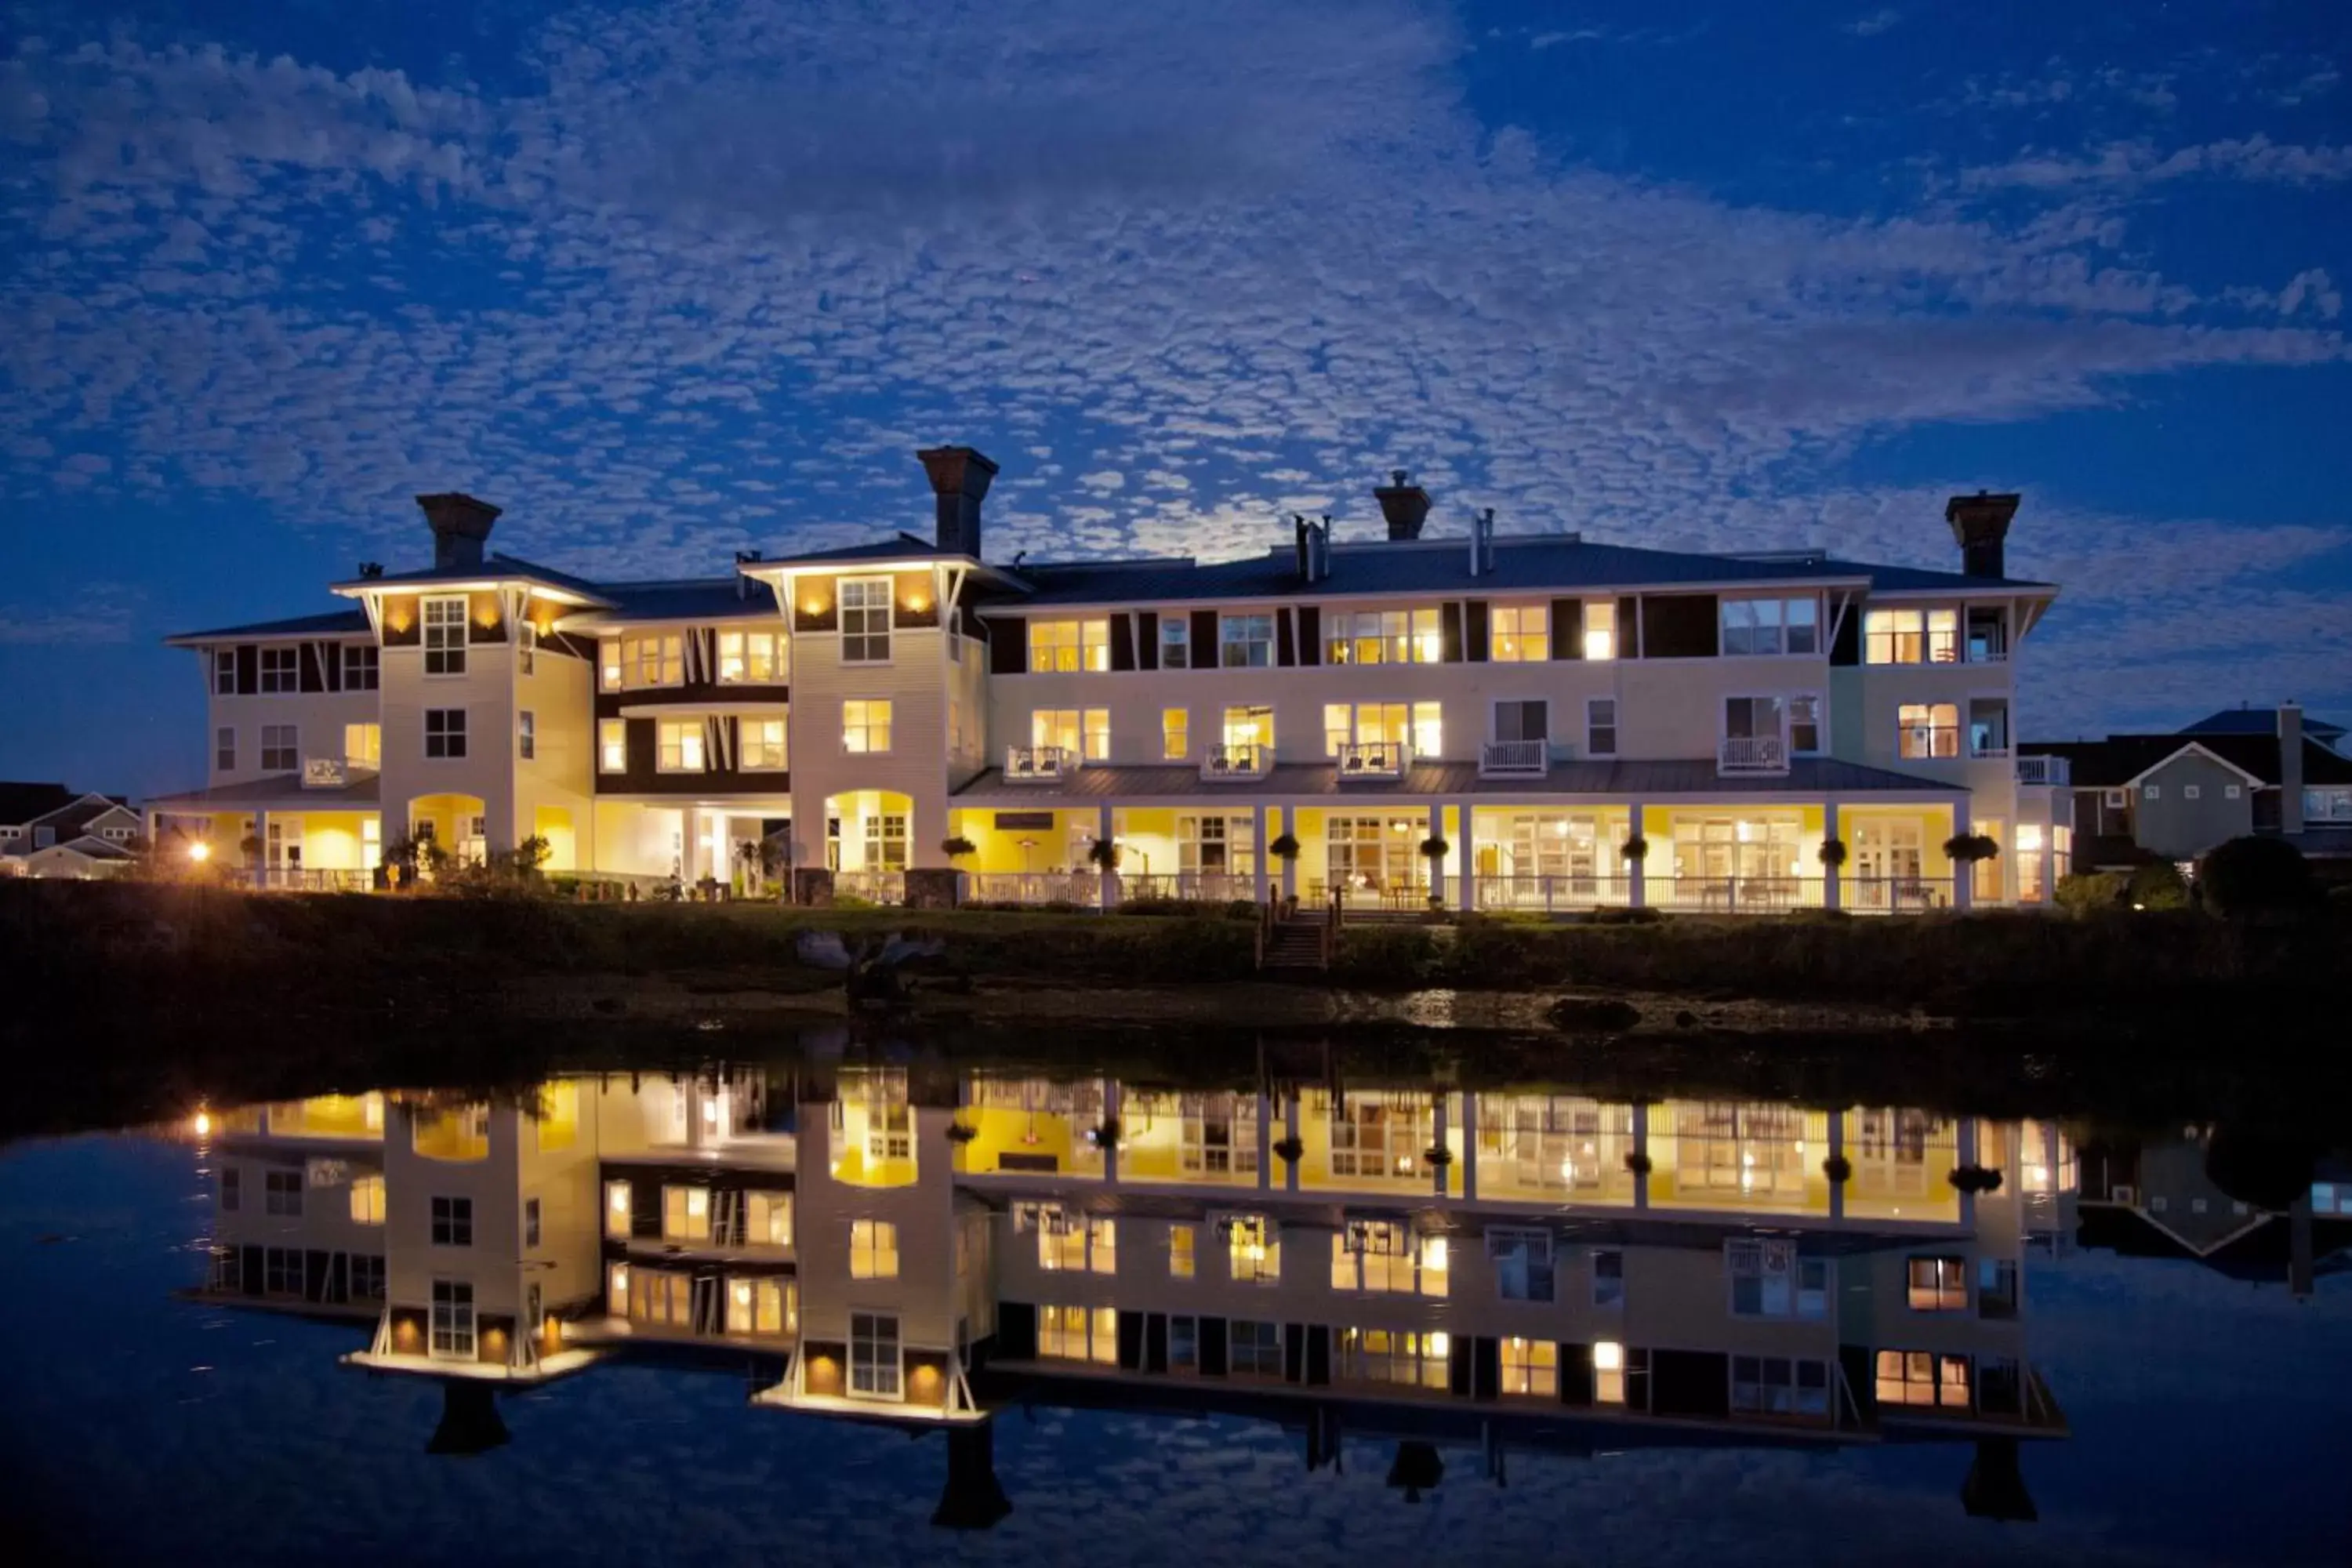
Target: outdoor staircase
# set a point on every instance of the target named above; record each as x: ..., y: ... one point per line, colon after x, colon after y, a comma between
x: 1297, y: 942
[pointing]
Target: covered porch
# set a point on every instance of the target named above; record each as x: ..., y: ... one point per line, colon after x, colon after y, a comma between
x: 318, y: 831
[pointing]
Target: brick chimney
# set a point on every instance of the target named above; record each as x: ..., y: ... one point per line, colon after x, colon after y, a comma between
x: 459, y: 524
x: 960, y: 478
x: 2290, y: 739
x: 1980, y: 523
x: 1404, y: 504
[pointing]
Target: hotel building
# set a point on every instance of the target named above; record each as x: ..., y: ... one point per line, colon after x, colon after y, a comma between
x: 1298, y: 722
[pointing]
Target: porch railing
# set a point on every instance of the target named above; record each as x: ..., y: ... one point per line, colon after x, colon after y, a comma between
x: 1373, y: 759
x: 1236, y: 763
x: 1733, y: 895
x: 1515, y: 759
x: 1038, y: 764
x: 1204, y: 887
x: 1752, y: 755
x: 873, y: 887
x: 1082, y: 887
x: 1894, y: 895
x: 1371, y: 893
x: 2044, y: 770
x: 1552, y: 894
x: 309, y: 879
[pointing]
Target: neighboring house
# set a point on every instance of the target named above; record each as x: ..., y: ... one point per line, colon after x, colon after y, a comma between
x: 2156, y: 1201
x: 2249, y: 720
x: 76, y: 836
x: 1534, y: 700
x: 2176, y: 797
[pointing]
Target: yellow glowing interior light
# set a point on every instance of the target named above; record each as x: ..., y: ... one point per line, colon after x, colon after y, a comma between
x: 1608, y: 1356
x: 1438, y: 1343
x: 203, y: 1124
x: 620, y: 1199
x: 710, y: 1109
x: 743, y: 1295
x: 1433, y: 1255
x: 200, y: 851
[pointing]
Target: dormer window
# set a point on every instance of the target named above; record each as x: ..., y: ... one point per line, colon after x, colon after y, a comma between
x: 865, y: 620
x: 444, y: 635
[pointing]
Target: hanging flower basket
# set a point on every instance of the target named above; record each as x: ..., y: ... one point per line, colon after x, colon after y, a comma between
x: 1975, y: 1179
x: 1290, y: 1149
x: 1838, y: 1169
x: 1637, y: 1162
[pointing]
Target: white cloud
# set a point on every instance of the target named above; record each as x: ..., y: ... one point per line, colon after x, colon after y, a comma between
x: 2252, y: 158
x: 1877, y: 22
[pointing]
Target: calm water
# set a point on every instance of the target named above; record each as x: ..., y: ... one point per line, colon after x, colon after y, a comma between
x: 173, y: 1393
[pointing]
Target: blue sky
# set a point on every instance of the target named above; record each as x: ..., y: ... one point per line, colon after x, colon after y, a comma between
x: 666, y: 280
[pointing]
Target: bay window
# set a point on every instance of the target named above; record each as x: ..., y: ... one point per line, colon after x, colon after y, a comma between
x: 1245, y: 642
x: 1519, y: 634
x: 678, y: 747
x: 1927, y: 730
x: 865, y: 620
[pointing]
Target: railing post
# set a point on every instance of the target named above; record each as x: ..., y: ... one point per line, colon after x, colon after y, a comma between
x: 1963, y: 882
x: 1636, y: 889
x: 1832, y: 895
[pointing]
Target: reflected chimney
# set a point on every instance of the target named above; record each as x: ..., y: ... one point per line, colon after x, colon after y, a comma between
x: 960, y: 477
x: 1980, y: 523
x: 1404, y: 504
x: 459, y: 524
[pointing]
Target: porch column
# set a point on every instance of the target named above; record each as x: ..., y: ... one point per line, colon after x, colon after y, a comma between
x: 1469, y: 892
x: 1105, y: 895
x: 1263, y: 881
x: 1470, y: 1145
x: 1290, y: 1130
x: 1837, y: 1151
x: 1642, y: 1144
x: 260, y: 867
x: 1290, y: 865
x: 1829, y: 888
x: 1637, y: 894
x: 1963, y: 878
x: 1437, y: 1139
x: 1265, y: 1142
x: 1966, y: 1143
x: 1112, y: 1100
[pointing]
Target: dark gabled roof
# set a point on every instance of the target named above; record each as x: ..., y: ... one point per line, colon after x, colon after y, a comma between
x: 1530, y: 565
x: 900, y: 547
x: 707, y: 598
x: 2120, y: 758
x: 276, y: 790
x: 330, y: 623
x: 1649, y: 780
x: 494, y: 565
x: 86, y: 845
x: 2257, y: 721
x: 21, y: 802
x: 79, y: 812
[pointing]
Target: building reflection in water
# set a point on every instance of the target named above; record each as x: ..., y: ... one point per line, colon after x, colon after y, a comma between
x: 1396, y: 1271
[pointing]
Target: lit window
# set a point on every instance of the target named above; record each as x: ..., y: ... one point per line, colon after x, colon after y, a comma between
x: 1920, y: 1377
x: 1098, y: 735
x: 279, y: 667
x: 686, y: 1214
x: 444, y: 733
x: 1067, y: 647
x: 768, y: 1219
x: 1927, y: 730
x: 1246, y: 641
x: 1388, y: 1356
x: 1519, y: 634
x: 526, y: 734
x: 873, y: 1249
x: 613, y: 745
x: 225, y: 749
x: 650, y: 660
x: 864, y: 725
x: 1372, y: 636
x: 363, y: 745
x: 608, y: 664
x: 749, y: 659
x: 526, y: 648
x: 360, y: 666
x: 453, y: 1222
x: 1254, y: 1254
x: 1601, y: 727
x: 1175, y: 642
x: 1078, y: 1334
x: 617, y: 1202
x: 1054, y: 727
x: 865, y: 620
x: 1609, y: 1372
x: 874, y: 1367
x: 1938, y: 1284
x: 1428, y: 730
x: 1531, y: 1366
x: 1252, y: 726
x: 679, y: 745
x: 1179, y: 1252
x: 280, y: 749
x: 762, y: 744
x: 1601, y: 629
x: 445, y: 636
x: 1384, y: 1257
x: 1175, y: 734
x: 453, y: 1319
x: 367, y: 1200
x: 1893, y: 637
x: 1068, y: 1243
x: 763, y: 1306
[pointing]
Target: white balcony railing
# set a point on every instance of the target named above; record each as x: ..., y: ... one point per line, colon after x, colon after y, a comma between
x: 1552, y: 893
x: 2044, y: 770
x: 1752, y: 755
x: 1515, y: 759
x: 1038, y: 764
x: 1237, y: 763
x: 1373, y: 759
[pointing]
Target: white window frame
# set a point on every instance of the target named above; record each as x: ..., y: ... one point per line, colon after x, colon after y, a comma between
x: 451, y: 1221
x: 1600, y: 645
x: 868, y: 1344
x: 1250, y: 645
x: 281, y: 672
x: 1176, y: 636
x: 1932, y: 731
x: 363, y: 668
x: 225, y: 749
x: 866, y: 645
x: 679, y: 746
x: 1520, y: 612
x: 526, y: 734
x: 368, y: 752
x: 452, y: 736
x: 1594, y: 727
x: 1820, y: 723
x: 1494, y: 718
x: 867, y: 726
x: 755, y: 752
x: 1176, y: 744
x: 286, y: 756
x: 612, y: 746
x: 1782, y: 628
x: 224, y: 672
x: 444, y: 643
x: 452, y: 1336
x: 743, y: 651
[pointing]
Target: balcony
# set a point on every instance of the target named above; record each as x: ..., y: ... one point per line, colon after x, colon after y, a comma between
x: 1241, y: 764
x: 1748, y: 754
x: 1039, y: 764
x: 1372, y: 760
x: 1515, y: 759
x: 2044, y: 770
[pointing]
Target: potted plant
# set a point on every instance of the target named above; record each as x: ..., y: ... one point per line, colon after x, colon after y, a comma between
x: 1434, y: 849
x: 1285, y: 849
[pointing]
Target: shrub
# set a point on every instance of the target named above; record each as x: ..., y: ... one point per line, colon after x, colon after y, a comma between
x: 2252, y: 876
x: 2158, y: 887
x: 2092, y: 892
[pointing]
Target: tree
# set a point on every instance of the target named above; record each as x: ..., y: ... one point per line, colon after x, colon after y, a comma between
x: 528, y: 856
x: 2249, y: 877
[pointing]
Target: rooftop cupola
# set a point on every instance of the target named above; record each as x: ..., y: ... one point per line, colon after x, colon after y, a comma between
x: 459, y: 524
x: 1980, y: 523
x: 1404, y: 504
x: 960, y: 477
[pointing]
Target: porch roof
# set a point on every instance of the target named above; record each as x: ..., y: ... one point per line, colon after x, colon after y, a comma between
x: 267, y: 793
x: 1649, y: 781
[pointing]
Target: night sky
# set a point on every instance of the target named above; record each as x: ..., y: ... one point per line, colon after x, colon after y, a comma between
x: 670, y: 280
